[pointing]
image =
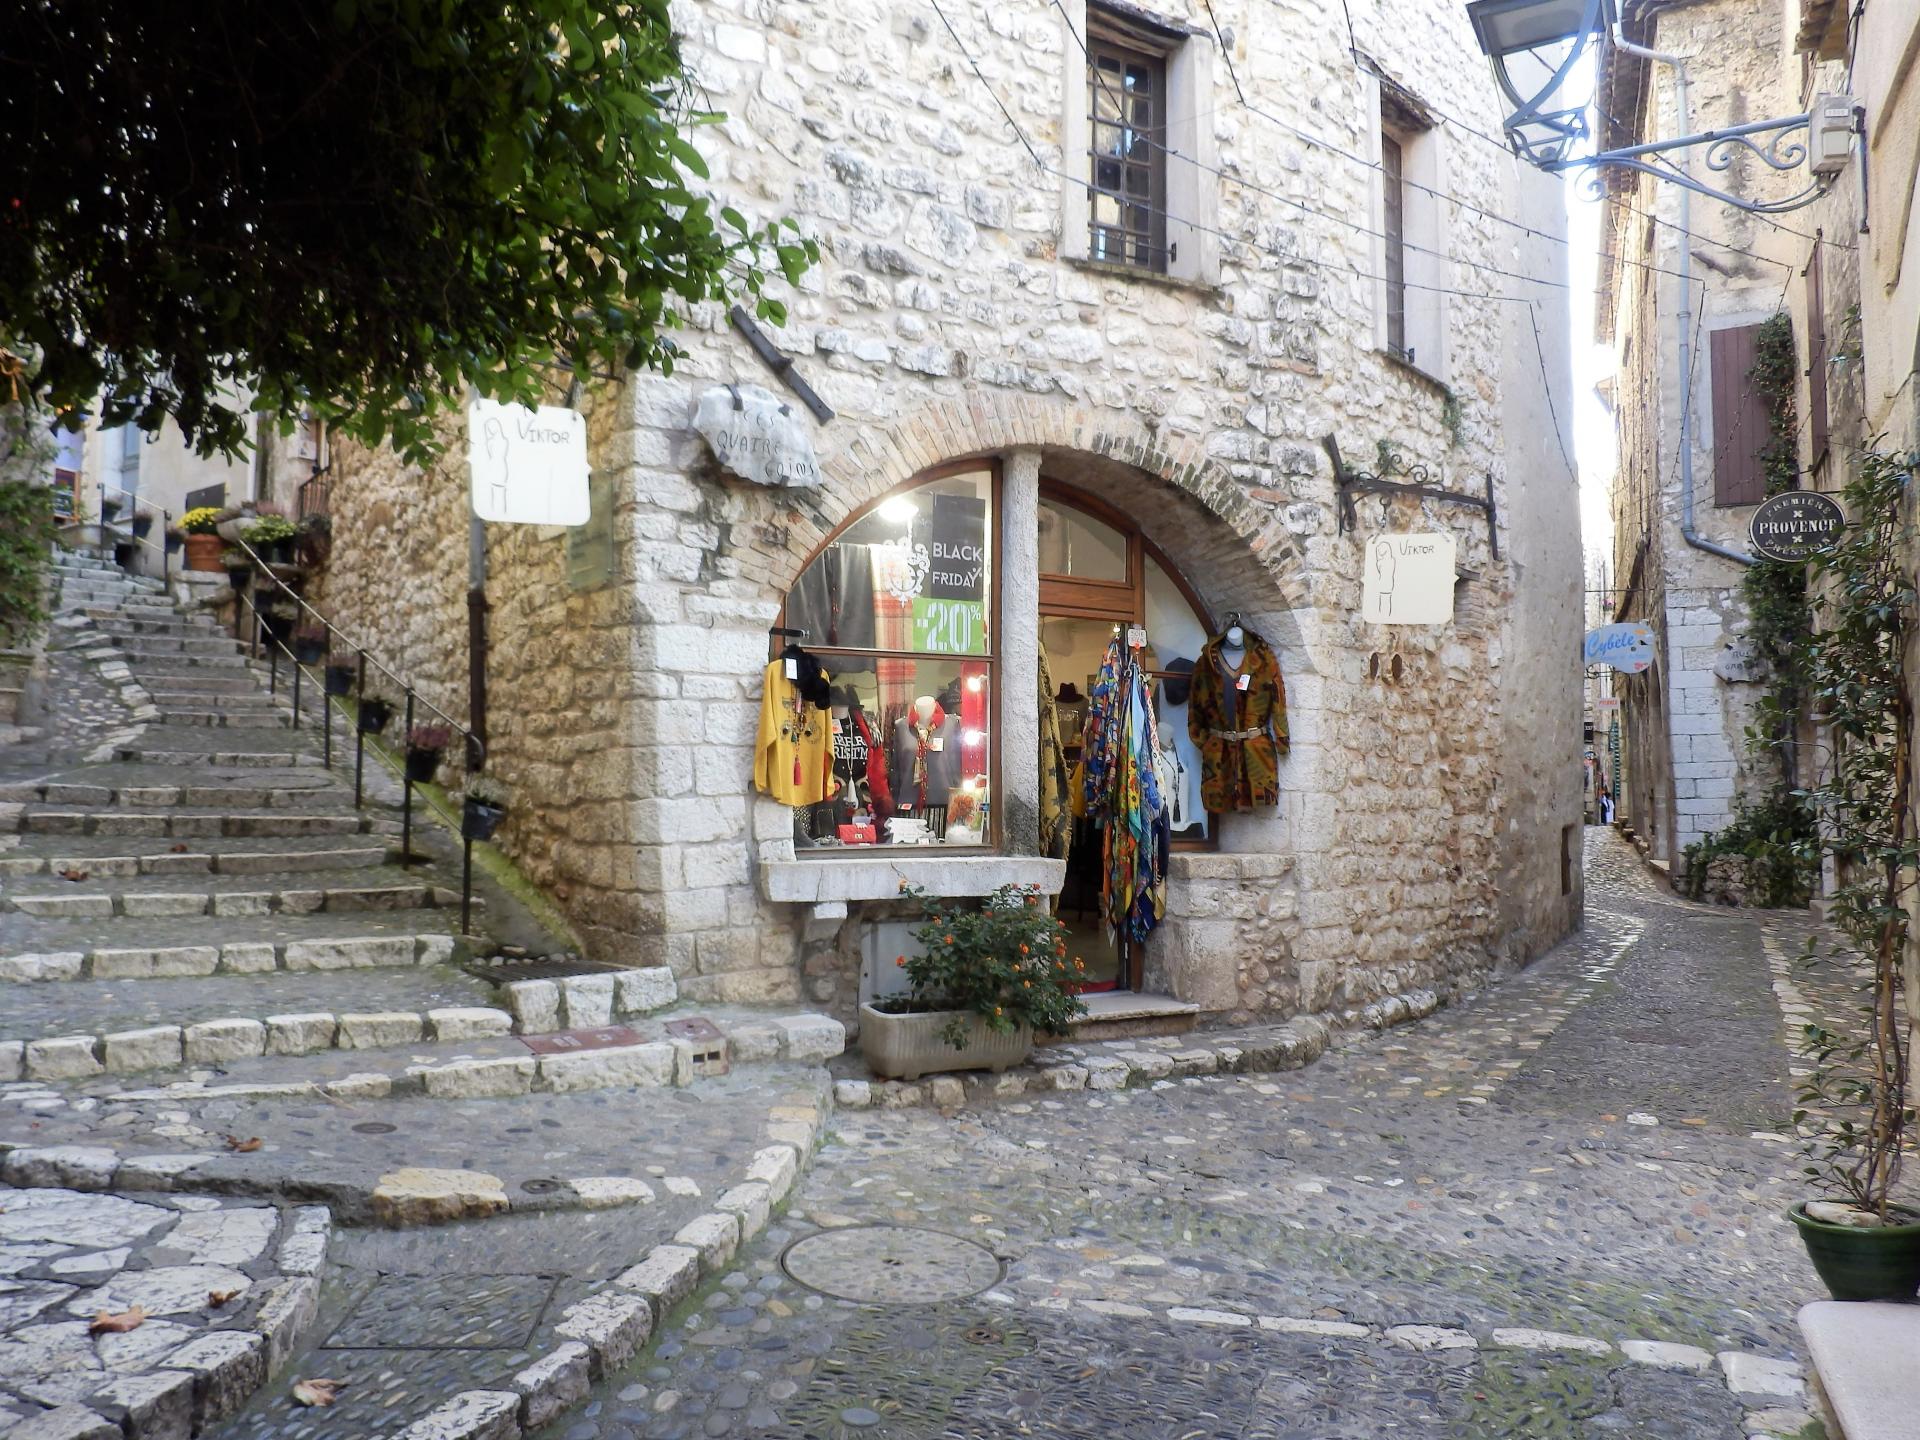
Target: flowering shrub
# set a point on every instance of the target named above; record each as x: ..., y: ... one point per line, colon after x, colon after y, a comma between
x: 269, y: 530
x: 1005, y: 961
x: 201, y: 521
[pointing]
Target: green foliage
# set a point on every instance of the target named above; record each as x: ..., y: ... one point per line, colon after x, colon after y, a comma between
x: 1855, y: 670
x: 364, y: 207
x: 1452, y: 416
x: 1004, y: 960
x: 1774, y: 834
x: 269, y: 530
x: 26, y: 549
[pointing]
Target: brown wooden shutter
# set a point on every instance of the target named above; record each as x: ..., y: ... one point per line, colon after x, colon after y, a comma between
x: 1817, y: 366
x: 1739, y: 417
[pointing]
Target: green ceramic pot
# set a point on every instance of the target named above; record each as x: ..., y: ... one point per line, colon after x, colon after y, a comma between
x: 1877, y: 1263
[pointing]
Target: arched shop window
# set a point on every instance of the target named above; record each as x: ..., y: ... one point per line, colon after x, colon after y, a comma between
x: 899, y: 608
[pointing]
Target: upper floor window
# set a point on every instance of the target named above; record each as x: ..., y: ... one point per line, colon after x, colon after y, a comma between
x: 1126, y: 113
x: 1139, y: 189
x: 1393, y: 221
x: 1410, y: 243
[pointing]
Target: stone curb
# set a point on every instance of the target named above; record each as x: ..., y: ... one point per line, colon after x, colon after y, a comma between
x: 289, y: 862
x: 359, y: 952
x: 675, y: 1062
x: 605, y: 1330
x: 284, y: 900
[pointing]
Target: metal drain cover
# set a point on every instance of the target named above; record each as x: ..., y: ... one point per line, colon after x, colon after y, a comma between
x: 891, y: 1265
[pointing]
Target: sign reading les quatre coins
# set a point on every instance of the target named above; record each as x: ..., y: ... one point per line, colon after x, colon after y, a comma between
x: 1795, y: 525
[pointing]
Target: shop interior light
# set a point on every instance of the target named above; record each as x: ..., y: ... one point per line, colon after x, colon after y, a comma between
x: 972, y: 737
x: 974, y: 682
x: 898, y: 508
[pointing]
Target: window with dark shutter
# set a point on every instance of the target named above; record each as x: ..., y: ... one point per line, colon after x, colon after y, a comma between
x: 1393, y: 215
x: 1816, y: 359
x: 1739, y: 417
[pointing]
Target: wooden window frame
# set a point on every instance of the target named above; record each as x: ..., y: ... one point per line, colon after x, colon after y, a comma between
x: 1107, y: 40
x: 1393, y: 227
x: 1118, y: 601
x: 995, y: 471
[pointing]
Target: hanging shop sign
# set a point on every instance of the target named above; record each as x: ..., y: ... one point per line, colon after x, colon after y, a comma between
x: 757, y: 436
x: 528, y: 467
x: 1795, y: 525
x: 1627, y: 646
x: 1409, y: 579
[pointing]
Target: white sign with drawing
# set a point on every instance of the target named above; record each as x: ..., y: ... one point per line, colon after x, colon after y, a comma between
x: 1409, y: 580
x: 529, y: 467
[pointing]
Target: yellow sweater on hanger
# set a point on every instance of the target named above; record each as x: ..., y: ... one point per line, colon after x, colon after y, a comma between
x: 793, y: 756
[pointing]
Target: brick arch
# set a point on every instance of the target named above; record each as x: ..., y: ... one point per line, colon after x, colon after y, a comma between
x: 986, y: 422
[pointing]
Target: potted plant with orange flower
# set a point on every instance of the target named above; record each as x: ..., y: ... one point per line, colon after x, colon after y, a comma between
x: 987, y: 978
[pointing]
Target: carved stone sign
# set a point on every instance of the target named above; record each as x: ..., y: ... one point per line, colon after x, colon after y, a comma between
x: 1795, y: 525
x: 757, y: 436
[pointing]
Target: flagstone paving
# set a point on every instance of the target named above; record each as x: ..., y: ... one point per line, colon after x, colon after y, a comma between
x: 1489, y: 1223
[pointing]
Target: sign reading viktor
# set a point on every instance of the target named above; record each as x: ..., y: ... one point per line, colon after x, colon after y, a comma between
x: 528, y: 467
x: 756, y: 436
x: 1627, y: 646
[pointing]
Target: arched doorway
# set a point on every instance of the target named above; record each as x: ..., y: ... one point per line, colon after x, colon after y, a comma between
x: 903, y: 606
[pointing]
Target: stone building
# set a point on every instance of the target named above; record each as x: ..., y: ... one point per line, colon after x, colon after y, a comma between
x: 1114, y: 374
x: 1686, y: 283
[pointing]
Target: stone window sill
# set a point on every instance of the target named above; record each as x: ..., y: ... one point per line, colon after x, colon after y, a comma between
x: 1142, y: 274
x: 874, y: 877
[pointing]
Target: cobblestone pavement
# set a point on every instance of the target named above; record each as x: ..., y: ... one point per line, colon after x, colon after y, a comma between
x: 1551, y: 1211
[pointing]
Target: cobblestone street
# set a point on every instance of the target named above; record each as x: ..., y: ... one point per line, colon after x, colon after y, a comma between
x: 1554, y: 1210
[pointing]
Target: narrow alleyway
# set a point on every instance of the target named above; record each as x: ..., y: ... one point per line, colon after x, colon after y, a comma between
x: 1545, y: 1213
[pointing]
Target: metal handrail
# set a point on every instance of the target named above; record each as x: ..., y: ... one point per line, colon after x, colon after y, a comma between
x: 166, y: 523
x: 475, y: 747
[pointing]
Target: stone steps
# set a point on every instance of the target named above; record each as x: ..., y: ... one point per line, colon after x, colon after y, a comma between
x: 186, y: 824
x: 142, y: 659
x: 263, y: 796
x: 232, y: 702
x: 122, y: 856
x: 198, y: 682
x: 222, y: 956
x: 175, y: 896
x: 185, y: 646
x: 271, y: 719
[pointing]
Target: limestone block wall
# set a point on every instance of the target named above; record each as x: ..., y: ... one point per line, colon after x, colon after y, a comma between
x: 942, y: 323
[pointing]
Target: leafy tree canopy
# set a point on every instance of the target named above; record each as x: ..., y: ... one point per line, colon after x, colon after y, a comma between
x: 362, y: 206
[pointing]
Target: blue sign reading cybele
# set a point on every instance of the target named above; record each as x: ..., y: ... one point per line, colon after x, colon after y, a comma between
x: 1626, y: 646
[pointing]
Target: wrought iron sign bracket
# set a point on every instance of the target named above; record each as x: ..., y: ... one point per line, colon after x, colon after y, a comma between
x: 780, y: 363
x: 1347, y: 483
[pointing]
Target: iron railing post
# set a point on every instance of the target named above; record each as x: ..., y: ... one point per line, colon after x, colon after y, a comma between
x: 466, y: 878
x: 298, y: 668
x: 359, y: 730
x: 406, y: 791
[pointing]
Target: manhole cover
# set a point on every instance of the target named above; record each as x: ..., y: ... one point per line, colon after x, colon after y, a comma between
x: 891, y: 1264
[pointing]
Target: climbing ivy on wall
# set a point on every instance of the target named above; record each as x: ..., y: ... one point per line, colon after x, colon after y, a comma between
x: 1771, y: 831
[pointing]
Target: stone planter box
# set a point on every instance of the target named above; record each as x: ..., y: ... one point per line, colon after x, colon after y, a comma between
x: 905, y: 1047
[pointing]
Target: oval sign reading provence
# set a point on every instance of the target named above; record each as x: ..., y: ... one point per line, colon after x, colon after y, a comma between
x: 1627, y: 646
x: 1795, y: 525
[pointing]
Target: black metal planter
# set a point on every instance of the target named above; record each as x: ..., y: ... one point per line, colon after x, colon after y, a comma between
x: 421, y: 764
x: 309, y: 652
x: 374, y: 715
x: 478, y: 820
x: 237, y: 575
x: 339, y: 679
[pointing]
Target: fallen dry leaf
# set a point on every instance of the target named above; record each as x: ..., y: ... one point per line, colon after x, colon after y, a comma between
x: 243, y: 1147
x: 217, y: 1298
x: 106, y: 1323
x: 317, y: 1392
x: 179, y: 849
x: 73, y: 874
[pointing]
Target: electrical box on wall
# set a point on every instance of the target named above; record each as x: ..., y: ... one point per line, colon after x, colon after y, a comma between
x: 882, y: 943
x: 1830, y: 134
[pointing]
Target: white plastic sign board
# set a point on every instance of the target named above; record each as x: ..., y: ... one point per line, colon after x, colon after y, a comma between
x: 529, y: 467
x: 1626, y: 646
x: 1408, y: 579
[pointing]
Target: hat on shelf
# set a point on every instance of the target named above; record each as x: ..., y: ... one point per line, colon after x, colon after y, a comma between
x: 1069, y: 694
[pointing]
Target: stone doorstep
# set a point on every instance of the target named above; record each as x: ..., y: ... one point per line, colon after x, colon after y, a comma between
x: 138, y: 798
x: 1864, y: 1355
x: 283, y: 824
x: 357, y: 857
x: 239, y: 958
x: 1117, y: 1065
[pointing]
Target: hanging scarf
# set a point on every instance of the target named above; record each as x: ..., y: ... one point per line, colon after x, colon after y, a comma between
x: 1124, y: 796
x: 923, y: 746
x: 1056, y: 819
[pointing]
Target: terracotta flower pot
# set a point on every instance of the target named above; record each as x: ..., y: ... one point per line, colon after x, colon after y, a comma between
x: 204, y: 551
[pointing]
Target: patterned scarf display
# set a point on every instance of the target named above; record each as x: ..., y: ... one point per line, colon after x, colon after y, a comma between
x: 1124, y: 798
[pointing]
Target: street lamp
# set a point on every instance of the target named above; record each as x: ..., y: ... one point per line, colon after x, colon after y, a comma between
x: 1534, y: 46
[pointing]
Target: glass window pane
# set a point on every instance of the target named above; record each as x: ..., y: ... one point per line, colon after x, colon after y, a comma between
x: 912, y: 574
x: 1073, y: 543
x: 930, y: 720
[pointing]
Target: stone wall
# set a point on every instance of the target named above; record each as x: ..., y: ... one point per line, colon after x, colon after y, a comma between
x: 942, y: 323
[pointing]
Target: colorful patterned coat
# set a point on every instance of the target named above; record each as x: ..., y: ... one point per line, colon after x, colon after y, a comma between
x: 1238, y: 774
